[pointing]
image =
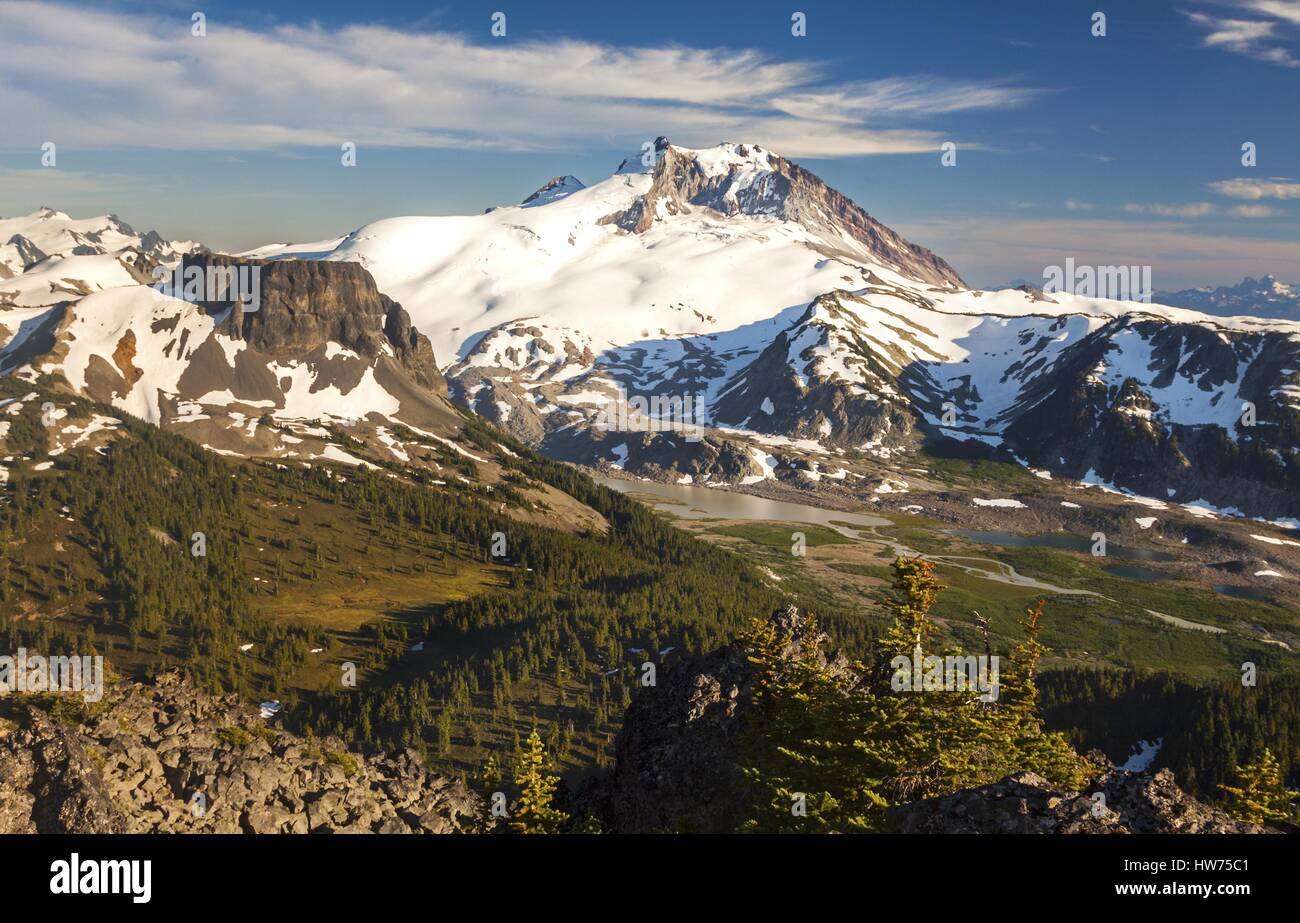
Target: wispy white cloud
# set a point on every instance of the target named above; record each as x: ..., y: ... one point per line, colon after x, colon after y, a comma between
x: 107, y: 79
x: 1255, y: 211
x: 1275, y: 187
x: 900, y: 96
x: 1287, y: 10
x: 1182, y: 210
x: 1254, y: 38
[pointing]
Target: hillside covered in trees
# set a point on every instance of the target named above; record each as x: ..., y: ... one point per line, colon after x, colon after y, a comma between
x: 304, y: 571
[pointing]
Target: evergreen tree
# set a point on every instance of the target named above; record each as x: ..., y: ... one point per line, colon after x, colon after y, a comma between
x: 535, y: 812
x: 1260, y: 796
x: 830, y: 748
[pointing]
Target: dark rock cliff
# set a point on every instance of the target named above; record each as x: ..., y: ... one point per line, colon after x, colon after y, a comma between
x: 307, y: 303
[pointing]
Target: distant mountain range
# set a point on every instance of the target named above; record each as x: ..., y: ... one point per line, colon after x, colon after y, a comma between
x: 1263, y: 297
x: 818, y: 342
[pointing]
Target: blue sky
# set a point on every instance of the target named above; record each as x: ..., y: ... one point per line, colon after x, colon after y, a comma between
x: 1122, y: 148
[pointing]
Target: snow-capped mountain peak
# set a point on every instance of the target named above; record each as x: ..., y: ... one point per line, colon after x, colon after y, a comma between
x: 49, y: 254
x: 58, y: 234
x: 746, y: 180
x: 554, y: 190
x: 680, y: 242
x: 645, y: 160
x: 785, y: 311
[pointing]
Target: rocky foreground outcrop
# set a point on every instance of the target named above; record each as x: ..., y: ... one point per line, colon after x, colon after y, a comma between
x: 136, y: 766
x: 1117, y: 802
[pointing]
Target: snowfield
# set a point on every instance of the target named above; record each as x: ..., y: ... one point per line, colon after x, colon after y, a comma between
x: 1001, y: 503
x: 561, y: 263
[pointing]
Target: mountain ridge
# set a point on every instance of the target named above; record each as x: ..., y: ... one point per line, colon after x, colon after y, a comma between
x: 783, y: 311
